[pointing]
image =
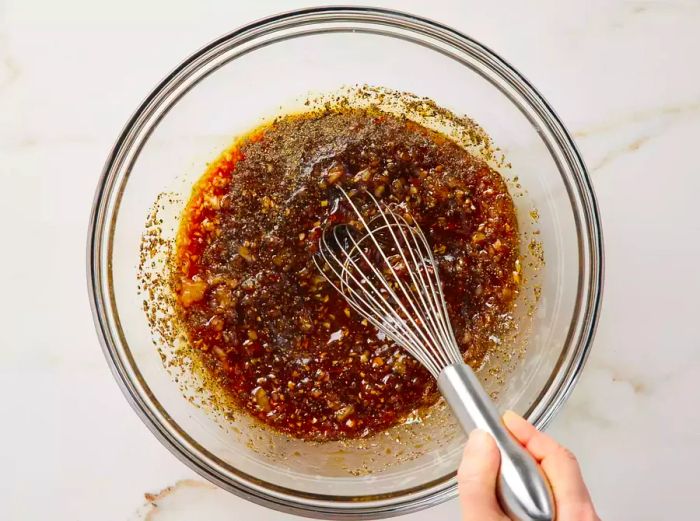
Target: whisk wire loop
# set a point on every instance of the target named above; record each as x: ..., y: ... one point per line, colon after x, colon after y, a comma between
x: 410, y: 310
x: 383, y: 316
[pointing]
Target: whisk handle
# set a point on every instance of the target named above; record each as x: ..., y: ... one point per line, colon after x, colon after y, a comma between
x: 523, y: 489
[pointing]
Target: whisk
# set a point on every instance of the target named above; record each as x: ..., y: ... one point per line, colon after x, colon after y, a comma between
x: 386, y: 271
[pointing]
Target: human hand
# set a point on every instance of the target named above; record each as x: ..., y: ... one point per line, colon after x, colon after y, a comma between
x: 478, y: 474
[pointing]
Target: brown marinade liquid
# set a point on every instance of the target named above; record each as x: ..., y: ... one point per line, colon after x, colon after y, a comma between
x: 271, y: 330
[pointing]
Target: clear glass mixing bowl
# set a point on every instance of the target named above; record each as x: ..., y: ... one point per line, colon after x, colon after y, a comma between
x: 222, y: 91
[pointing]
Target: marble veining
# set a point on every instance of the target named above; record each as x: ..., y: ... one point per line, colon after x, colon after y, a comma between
x: 660, y: 118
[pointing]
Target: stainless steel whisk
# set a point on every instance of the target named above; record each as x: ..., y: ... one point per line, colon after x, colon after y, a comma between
x: 385, y: 269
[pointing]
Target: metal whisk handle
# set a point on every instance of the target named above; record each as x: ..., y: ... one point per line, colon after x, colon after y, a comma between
x: 523, y: 489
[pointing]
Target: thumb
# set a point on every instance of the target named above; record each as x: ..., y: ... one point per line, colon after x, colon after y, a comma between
x: 477, y: 477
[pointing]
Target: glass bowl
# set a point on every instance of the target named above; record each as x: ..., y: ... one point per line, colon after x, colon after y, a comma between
x: 222, y: 91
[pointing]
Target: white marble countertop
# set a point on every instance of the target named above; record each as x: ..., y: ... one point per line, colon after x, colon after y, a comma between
x: 623, y: 75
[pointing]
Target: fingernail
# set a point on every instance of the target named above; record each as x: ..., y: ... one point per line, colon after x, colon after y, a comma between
x: 478, y: 439
x: 513, y: 417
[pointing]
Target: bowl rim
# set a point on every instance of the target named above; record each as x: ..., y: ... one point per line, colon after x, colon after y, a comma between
x: 101, y: 301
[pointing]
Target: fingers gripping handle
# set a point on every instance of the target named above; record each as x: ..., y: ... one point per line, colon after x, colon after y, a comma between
x: 523, y: 489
